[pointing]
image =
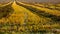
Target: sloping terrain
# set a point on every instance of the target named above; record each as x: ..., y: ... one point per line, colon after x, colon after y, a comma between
x: 29, y: 19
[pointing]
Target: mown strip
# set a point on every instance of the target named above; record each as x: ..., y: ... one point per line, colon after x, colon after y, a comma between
x: 54, y: 12
x: 52, y: 7
x: 6, y: 4
x: 41, y: 12
x: 5, y: 10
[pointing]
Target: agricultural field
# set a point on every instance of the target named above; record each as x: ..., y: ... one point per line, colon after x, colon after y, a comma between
x: 25, y: 18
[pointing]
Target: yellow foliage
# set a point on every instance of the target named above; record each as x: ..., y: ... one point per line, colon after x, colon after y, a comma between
x: 26, y: 20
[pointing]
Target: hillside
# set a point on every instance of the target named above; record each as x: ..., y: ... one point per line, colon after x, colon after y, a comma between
x: 29, y: 19
x: 40, y: 1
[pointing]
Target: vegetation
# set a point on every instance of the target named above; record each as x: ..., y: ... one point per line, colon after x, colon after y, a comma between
x: 28, y: 19
x: 41, y: 11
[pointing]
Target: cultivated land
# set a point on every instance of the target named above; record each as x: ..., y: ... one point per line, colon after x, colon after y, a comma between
x: 25, y: 18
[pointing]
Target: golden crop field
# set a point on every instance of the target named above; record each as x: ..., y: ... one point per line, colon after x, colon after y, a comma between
x: 25, y: 18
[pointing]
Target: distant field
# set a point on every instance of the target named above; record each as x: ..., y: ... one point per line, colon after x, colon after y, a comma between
x: 26, y: 18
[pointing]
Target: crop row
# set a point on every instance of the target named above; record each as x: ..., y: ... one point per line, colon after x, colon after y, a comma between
x: 41, y: 11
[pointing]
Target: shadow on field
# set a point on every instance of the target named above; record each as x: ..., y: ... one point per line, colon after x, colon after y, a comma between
x: 6, y: 11
x: 41, y: 13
